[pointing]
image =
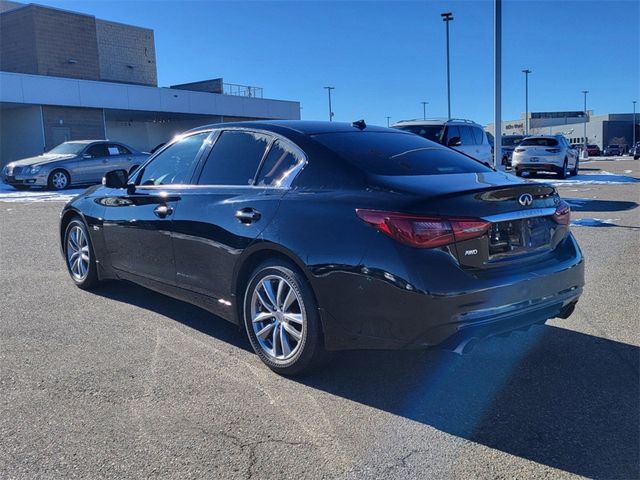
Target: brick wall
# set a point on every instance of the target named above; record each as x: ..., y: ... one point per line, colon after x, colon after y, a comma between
x: 127, y: 53
x: 17, y: 42
x: 63, y: 36
x: 83, y: 123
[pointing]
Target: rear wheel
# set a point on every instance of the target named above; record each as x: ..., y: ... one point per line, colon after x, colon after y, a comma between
x: 78, y: 252
x: 564, y: 171
x: 58, y: 180
x: 574, y: 171
x: 282, y: 320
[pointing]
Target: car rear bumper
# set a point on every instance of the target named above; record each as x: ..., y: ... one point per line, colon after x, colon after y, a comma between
x: 379, y: 310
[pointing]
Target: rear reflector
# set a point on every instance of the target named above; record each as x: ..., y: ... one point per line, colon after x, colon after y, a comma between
x: 421, y: 231
x: 563, y: 213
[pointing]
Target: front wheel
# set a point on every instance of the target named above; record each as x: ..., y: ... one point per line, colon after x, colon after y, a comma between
x: 79, y: 256
x: 282, y: 320
x: 58, y: 180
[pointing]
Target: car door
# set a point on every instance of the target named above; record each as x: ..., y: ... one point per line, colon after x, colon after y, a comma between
x: 119, y: 157
x: 137, y: 222
x: 231, y: 206
x: 92, y: 164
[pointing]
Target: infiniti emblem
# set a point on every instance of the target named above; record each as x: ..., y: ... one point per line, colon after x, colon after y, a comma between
x: 525, y: 199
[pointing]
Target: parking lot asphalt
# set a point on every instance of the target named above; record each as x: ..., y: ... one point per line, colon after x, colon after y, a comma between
x: 123, y: 382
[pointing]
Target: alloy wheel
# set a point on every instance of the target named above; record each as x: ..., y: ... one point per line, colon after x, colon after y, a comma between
x: 277, y: 317
x: 78, y: 253
x: 59, y: 180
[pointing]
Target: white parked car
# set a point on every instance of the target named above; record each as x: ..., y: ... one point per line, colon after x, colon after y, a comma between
x: 548, y: 153
x: 462, y: 135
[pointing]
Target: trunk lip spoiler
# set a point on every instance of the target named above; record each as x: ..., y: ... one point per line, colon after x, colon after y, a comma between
x: 520, y: 214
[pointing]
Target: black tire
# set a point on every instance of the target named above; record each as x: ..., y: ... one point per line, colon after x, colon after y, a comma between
x: 308, y: 352
x: 54, y: 184
x: 563, y: 172
x: 574, y: 171
x: 90, y: 279
x: 21, y: 188
x: 636, y: 157
x: 518, y: 173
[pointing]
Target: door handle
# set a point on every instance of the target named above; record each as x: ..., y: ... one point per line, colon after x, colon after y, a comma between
x: 248, y: 215
x: 163, y: 211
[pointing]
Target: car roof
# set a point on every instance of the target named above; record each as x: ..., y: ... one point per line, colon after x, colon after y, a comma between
x: 437, y: 121
x: 306, y: 127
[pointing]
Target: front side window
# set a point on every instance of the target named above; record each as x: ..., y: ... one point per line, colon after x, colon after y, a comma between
x: 234, y: 159
x: 453, y: 132
x: 175, y: 164
x: 98, y: 150
x: 478, y: 133
x: 430, y: 132
x: 278, y: 162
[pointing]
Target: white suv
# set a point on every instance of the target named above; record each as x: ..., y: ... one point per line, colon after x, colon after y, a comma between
x: 545, y: 153
x: 463, y: 135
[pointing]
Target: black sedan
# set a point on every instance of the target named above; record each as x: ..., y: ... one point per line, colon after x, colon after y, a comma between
x: 319, y: 236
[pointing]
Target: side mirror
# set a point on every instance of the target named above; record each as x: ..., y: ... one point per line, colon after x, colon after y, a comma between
x: 115, y: 179
x: 454, y: 142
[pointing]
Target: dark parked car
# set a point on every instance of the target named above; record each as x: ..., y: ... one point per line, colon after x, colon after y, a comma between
x: 72, y: 163
x: 634, y: 151
x: 612, y: 150
x: 593, y: 150
x: 509, y: 143
x: 319, y: 236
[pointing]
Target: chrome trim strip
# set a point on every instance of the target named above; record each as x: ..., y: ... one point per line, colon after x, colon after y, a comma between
x: 520, y: 214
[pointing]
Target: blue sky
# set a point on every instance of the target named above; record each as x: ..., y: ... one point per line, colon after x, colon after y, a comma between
x: 384, y: 58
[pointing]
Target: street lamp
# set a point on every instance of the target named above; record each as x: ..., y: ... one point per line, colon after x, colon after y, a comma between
x: 388, y: 118
x: 448, y: 17
x: 634, y: 124
x: 424, y: 110
x: 330, y: 111
x: 584, y: 92
x: 526, y: 72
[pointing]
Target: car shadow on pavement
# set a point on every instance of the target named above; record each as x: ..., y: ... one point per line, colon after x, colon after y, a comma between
x: 592, y: 205
x: 554, y: 396
x: 185, y: 313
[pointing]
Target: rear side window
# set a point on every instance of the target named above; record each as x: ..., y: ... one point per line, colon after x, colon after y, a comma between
x: 116, y: 149
x: 279, y: 161
x: 467, y: 135
x: 539, y: 142
x: 382, y: 153
x: 234, y: 158
x: 175, y: 164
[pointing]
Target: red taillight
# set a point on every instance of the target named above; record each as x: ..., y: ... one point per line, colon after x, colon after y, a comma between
x: 423, y: 232
x: 562, y: 214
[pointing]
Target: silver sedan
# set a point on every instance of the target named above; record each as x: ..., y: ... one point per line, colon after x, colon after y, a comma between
x: 72, y: 163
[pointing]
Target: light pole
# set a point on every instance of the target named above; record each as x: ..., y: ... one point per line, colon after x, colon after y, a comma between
x: 634, y: 124
x: 448, y: 17
x: 424, y: 110
x: 584, y: 92
x: 388, y: 118
x: 497, y: 84
x: 526, y: 72
x: 330, y: 111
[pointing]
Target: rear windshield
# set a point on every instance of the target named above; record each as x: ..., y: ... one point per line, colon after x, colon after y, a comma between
x: 383, y: 153
x: 430, y: 132
x: 540, y: 142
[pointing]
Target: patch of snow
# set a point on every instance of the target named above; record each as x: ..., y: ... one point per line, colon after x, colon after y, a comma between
x: 600, y: 178
x: 10, y: 194
x: 594, y: 222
